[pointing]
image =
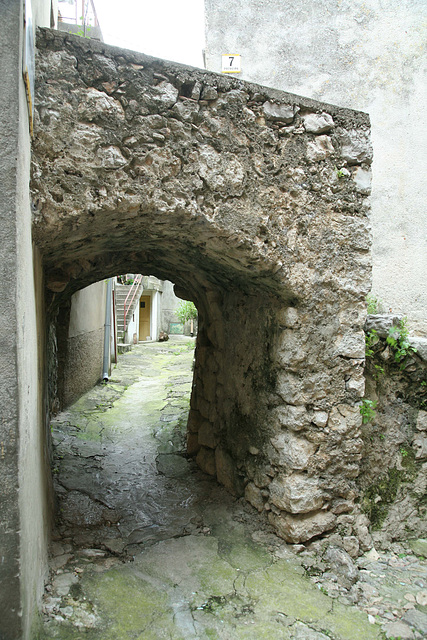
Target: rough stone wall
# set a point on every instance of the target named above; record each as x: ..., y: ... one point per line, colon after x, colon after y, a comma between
x: 82, y: 368
x: 394, y: 468
x: 366, y: 55
x: 253, y: 202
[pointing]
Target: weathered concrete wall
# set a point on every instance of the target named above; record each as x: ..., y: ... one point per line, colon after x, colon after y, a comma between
x: 23, y: 451
x: 35, y: 490
x: 82, y: 366
x: 239, y: 195
x: 169, y: 302
x: 45, y: 13
x: 366, y: 55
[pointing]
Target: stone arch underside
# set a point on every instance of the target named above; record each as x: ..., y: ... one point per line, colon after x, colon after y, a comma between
x: 253, y: 202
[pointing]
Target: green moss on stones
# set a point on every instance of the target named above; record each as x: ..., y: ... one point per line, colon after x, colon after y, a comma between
x: 139, y: 610
x: 419, y: 547
x: 280, y: 588
x: 377, y: 498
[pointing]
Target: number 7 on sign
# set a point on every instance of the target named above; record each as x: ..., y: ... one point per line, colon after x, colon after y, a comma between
x: 231, y: 63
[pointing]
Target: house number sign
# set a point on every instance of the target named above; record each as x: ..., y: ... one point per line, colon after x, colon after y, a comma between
x: 231, y: 63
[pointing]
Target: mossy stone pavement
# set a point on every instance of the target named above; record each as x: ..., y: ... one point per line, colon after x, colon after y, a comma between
x: 147, y: 547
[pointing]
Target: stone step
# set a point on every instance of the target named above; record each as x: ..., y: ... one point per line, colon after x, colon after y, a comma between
x: 123, y: 347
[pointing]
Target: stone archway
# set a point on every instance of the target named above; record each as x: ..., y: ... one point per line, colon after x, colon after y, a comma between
x: 252, y: 201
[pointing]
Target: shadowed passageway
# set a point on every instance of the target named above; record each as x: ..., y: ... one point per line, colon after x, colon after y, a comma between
x: 122, y: 475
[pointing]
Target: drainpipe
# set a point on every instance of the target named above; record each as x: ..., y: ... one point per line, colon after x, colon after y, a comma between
x: 114, y: 326
x: 107, y: 331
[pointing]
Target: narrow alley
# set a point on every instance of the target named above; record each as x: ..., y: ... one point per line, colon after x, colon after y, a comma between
x: 148, y: 547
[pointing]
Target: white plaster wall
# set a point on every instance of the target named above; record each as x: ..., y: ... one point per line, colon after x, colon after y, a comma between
x: 156, y: 298
x: 367, y: 55
x: 168, y: 305
x: 133, y: 326
x: 42, y: 11
x: 88, y: 309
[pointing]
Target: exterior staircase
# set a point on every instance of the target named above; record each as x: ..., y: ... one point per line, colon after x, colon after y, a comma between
x: 131, y: 292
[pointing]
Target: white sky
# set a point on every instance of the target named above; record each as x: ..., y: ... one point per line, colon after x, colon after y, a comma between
x: 170, y: 29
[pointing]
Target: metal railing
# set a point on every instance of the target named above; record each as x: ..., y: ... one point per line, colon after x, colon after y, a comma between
x: 86, y: 9
x: 132, y: 293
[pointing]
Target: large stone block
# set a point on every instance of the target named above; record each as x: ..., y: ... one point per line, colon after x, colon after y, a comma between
x: 420, y: 344
x: 319, y: 149
x: 226, y: 472
x: 293, y: 452
x: 422, y: 421
x: 355, y: 146
x: 290, y: 417
x: 254, y: 496
x: 193, y: 445
x: 341, y: 564
x: 100, y: 107
x: 206, y: 460
x: 363, y: 180
x: 296, y: 493
x: 209, y: 385
x: 344, y: 419
x: 195, y: 420
x: 419, y: 445
x: 296, y: 388
x: 282, y: 112
x: 318, y: 122
x: 351, y: 345
x: 288, y: 317
x: 382, y: 323
x: 300, y: 528
x: 208, y: 436
x: 292, y: 351
x: 222, y: 172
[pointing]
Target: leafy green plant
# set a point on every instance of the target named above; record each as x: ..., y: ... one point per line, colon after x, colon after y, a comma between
x: 84, y: 31
x: 371, y: 339
x: 85, y: 27
x: 186, y: 310
x: 398, y: 340
x: 367, y: 410
x: 373, y: 304
x: 379, y: 371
